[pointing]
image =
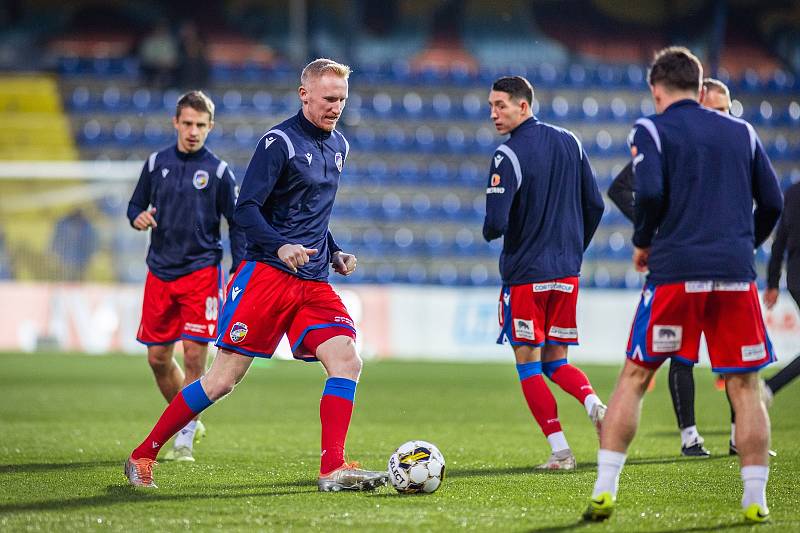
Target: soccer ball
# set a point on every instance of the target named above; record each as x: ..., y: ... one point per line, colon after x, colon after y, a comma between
x: 416, y: 466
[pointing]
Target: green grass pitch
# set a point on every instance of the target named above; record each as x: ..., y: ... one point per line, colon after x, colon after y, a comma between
x: 67, y: 422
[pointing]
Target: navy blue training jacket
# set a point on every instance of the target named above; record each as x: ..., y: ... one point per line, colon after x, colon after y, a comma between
x: 287, y: 194
x: 697, y: 174
x: 190, y: 192
x: 542, y: 197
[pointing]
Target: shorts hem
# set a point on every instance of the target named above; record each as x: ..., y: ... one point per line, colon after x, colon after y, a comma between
x: 741, y: 370
x: 198, y: 339
x: 242, y: 351
x: 562, y: 343
x: 524, y: 343
x: 300, y: 339
x: 157, y: 343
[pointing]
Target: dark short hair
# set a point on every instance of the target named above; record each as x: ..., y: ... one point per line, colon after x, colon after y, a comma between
x: 518, y: 87
x: 197, y: 100
x: 676, y: 68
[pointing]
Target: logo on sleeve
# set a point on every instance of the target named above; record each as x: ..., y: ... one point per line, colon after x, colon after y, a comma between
x: 200, y: 179
x: 667, y: 339
x: 164, y: 172
x: 235, y: 292
x: 309, y: 156
x: 495, y: 180
x: 269, y: 141
x: 339, y: 161
x: 238, y: 332
x: 497, y: 160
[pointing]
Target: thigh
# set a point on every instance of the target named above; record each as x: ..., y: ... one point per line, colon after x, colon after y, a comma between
x: 521, y: 316
x: 668, y: 323
x: 199, y: 296
x: 161, y: 319
x: 735, y: 332
x: 258, y: 309
x: 560, y: 323
x: 320, y: 317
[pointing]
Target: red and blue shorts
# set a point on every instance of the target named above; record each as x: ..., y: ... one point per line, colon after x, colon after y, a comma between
x: 264, y: 303
x: 539, y: 313
x: 671, y: 317
x: 184, y: 308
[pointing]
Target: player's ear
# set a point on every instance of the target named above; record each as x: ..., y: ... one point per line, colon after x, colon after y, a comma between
x: 303, y: 93
x: 175, y: 122
x: 210, y: 125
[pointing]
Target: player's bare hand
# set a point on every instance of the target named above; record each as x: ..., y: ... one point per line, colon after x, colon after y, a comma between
x: 145, y: 219
x: 344, y: 264
x: 295, y: 255
x: 640, y: 257
x: 770, y: 298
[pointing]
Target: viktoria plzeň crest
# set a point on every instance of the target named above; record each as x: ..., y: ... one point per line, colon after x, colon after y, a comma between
x: 338, y: 159
x: 200, y: 179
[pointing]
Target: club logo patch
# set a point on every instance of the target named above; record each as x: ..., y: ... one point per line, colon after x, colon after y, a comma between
x: 495, y: 180
x: 497, y: 160
x: 523, y: 329
x: 667, y: 339
x: 339, y: 161
x: 238, y: 332
x: 200, y: 179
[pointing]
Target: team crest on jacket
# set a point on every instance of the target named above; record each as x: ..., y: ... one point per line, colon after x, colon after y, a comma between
x: 200, y: 179
x: 338, y: 159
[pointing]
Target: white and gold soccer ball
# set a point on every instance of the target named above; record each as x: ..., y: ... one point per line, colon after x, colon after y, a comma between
x: 416, y: 466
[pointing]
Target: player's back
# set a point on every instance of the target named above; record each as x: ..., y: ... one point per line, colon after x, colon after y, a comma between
x: 545, y: 235
x: 706, y: 229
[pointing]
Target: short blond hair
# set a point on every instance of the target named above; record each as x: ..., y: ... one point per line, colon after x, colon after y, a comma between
x: 320, y: 66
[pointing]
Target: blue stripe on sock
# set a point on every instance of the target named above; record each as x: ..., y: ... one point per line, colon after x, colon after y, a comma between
x: 549, y: 367
x: 341, y: 387
x: 526, y: 370
x: 195, y: 397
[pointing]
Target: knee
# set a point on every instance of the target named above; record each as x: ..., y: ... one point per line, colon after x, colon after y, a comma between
x: 159, y: 360
x: 638, y: 376
x: 217, y: 387
x: 549, y: 367
x: 341, y: 358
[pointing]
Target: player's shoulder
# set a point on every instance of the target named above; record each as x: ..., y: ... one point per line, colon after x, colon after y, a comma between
x: 216, y: 164
x: 559, y: 132
x: 284, y: 134
x: 160, y: 157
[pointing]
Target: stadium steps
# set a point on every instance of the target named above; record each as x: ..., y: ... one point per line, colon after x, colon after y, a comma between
x: 35, y: 126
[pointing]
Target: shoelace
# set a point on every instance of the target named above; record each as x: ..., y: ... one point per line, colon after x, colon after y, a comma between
x: 144, y: 469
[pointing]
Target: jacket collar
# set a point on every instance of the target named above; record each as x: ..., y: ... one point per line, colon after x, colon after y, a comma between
x: 194, y: 156
x: 527, y: 123
x: 310, y: 128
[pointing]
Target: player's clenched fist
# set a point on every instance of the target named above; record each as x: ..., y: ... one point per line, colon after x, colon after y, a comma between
x: 344, y: 264
x: 295, y: 255
x: 145, y: 220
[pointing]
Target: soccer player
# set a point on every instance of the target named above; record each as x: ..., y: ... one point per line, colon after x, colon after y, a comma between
x: 697, y: 175
x: 787, y: 238
x: 281, y: 287
x: 182, y: 192
x: 714, y: 95
x: 542, y: 198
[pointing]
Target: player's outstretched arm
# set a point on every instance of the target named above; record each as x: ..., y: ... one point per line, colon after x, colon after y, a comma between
x: 344, y: 263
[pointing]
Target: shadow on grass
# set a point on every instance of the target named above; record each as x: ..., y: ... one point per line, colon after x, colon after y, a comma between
x: 120, y: 494
x: 676, y: 433
x: 44, y: 467
x: 580, y: 524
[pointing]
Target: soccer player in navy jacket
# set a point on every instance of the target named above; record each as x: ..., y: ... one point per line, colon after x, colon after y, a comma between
x: 697, y: 175
x: 281, y: 287
x: 542, y: 198
x: 182, y: 193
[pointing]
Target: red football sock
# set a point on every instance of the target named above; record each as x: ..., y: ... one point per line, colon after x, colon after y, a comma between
x: 334, y: 414
x: 541, y: 403
x: 573, y: 381
x: 175, y: 416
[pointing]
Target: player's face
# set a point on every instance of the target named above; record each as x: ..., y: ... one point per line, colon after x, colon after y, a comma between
x: 323, y: 100
x: 193, y: 127
x: 714, y: 99
x: 506, y: 112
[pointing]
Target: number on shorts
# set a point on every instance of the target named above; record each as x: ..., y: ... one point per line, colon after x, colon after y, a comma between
x: 212, y: 308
